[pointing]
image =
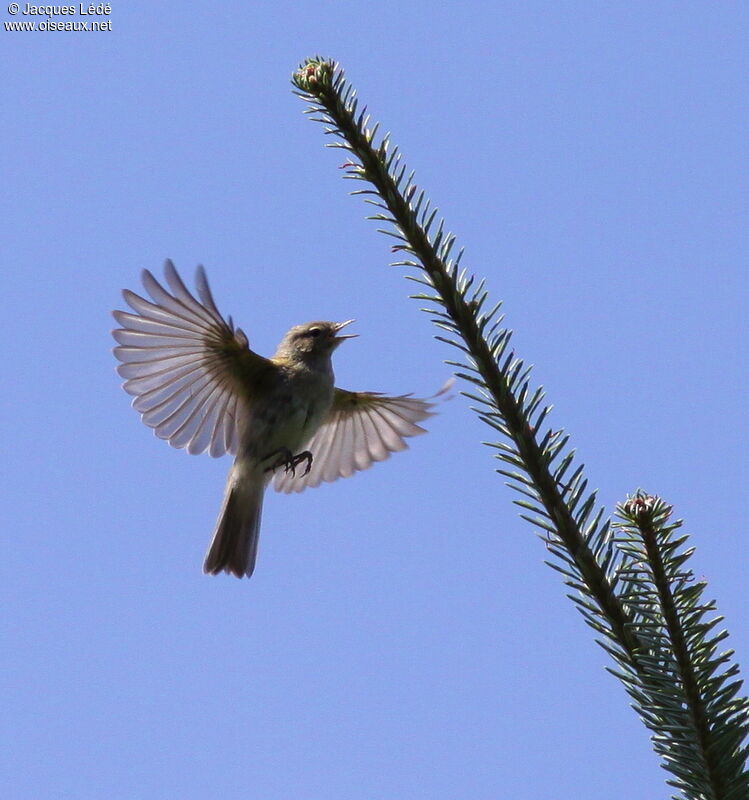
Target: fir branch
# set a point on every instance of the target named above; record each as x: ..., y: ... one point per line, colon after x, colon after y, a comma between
x: 334, y: 103
x: 681, y: 689
x: 629, y: 582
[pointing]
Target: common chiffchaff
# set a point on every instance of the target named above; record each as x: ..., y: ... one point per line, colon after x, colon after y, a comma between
x: 196, y: 382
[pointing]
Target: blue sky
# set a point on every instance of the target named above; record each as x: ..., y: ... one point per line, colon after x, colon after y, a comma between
x: 401, y: 636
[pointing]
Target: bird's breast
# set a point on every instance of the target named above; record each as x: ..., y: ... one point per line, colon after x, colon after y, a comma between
x: 288, y: 414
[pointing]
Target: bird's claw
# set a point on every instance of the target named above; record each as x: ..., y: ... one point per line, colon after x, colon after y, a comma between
x: 286, y: 459
x: 305, y: 455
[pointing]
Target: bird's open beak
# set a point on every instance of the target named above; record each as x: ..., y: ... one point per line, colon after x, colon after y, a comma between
x: 339, y: 325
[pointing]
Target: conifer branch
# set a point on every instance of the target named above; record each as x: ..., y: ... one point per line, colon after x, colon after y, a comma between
x: 681, y: 689
x: 628, y: 578
x: 489, y: 359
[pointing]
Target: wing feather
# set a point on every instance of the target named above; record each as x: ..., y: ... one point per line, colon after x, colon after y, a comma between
x: 361, y: 428
x: 182, y: 422
x: 136, y: 323
x: 188, y: 369
x: 230, y: 438
x: 378, y: 449
x: 361, y: 446
x: 326, y: 442
x: 151, y: 390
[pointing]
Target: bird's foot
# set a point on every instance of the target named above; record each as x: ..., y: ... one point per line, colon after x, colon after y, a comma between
x: 283, y: 457
x: 305, y: 455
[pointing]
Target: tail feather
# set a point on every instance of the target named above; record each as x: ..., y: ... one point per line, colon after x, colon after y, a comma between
x: 233, y: 548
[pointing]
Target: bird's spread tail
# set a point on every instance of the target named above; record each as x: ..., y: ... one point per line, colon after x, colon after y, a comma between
x: 233, y: 547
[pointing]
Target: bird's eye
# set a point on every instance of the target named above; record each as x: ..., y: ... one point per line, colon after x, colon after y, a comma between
x: 314, y: 332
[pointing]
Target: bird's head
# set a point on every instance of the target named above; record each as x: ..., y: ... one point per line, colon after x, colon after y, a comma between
x: 313, y: 341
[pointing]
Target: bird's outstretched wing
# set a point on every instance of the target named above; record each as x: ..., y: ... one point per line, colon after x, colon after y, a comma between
x: 188, y: 369
x: 361, y: 428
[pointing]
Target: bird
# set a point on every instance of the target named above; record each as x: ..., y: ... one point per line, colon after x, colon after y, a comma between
x: 198, y: 385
